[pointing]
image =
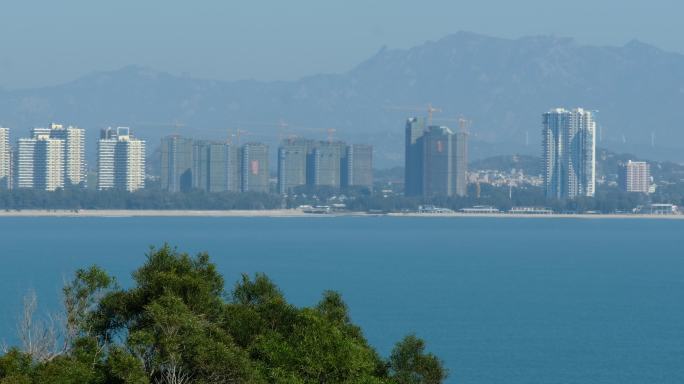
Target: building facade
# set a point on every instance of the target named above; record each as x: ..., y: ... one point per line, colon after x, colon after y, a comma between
x: 439, y: 162
x: 5, y: 159
x: 292, y: 164
x: 635, y: 176
x: 569, y: 153
x: 413, y: 157
x: 120, y: 160
x: 254, y: 168
x: 460, y: 148
x: 327, y: 164
x: 216, y: 167
x: 357, y: 166
x: 176, y: 164
x: 73, y: 140
x: 436, y: 160
x: 39, y: 163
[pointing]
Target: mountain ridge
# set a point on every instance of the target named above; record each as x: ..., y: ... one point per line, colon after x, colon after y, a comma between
x: 503, y: 85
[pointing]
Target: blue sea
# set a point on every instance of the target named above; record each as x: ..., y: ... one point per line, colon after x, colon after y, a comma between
x: 500, y: 300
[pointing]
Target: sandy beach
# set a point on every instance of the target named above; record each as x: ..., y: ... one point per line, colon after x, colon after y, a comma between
x: 153, y: 213
x: 298, y: 213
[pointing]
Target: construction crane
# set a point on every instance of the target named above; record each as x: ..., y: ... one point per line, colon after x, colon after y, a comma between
x: 463, y: 124
x: 238, y: 133
x: 429, y: 109
x: 281, y: 125
x: 176, y: 125
x: 331, y: 134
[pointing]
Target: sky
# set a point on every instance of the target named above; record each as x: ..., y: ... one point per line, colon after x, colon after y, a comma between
x: 50, y: 42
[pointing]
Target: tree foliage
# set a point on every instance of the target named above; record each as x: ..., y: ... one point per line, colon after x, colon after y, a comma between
x: 176, y: 324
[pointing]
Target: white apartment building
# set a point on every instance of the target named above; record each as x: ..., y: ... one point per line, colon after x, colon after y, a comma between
x: 635, y: 176
x: 74, y: 152
x: 120, y: 160
x: 569, y: 153
x: 5, y: 159
x: 40, y: 163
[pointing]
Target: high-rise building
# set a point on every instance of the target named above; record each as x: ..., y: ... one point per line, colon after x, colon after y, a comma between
x: 23, y: 163
x: 40, y: 163
x: 439, y: 162
x: 357, y: 166
x: 635, y: 176
x: 176, y: 164
x: 292, y: 164
x: 569, y: 153
x: 436, y: 160
x: 254, y: 167
x: 413, y: 157
x: 5, y: 159
x: 216, y: 167
x: 121, y: 160
x: 73, y: 139
x: 460, y: 148
x: 327, y: 164
x: 106, y: 158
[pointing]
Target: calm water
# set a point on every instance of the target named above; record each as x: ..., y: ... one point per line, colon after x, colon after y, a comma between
x: 500, y: 300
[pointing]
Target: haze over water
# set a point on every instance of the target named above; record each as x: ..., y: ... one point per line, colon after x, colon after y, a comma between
x: 500, y: 300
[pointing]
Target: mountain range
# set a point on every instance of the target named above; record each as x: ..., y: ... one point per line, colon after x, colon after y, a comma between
x: 501, y: 85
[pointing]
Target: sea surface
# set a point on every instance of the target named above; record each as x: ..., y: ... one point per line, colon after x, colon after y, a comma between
x: 500, y: 300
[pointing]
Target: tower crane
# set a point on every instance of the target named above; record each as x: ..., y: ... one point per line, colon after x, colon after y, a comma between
x: 176, y: 125
x: 430, y: 109
x: 463, y: 124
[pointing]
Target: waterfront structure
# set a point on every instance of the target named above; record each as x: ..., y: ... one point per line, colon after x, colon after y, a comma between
x: 357, y: 166
x: 569, y: 153
x: 440, y: 165
x: 73, y: 140
x: 413, y: 157
x: 254, y: 168
x: 215, y: 167
x: 292, y: 164
x: 657, y: 209
x: 120, y: 160
x: 40, y: 162
x: 635, y: 176
x: 176, y: 164
x: 5, y: 159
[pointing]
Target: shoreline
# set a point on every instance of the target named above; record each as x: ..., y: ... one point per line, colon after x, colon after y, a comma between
x: 291, y: 213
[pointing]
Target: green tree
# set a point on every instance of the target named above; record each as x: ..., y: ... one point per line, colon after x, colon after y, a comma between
x: 409, y: 364
x: 177, y: 325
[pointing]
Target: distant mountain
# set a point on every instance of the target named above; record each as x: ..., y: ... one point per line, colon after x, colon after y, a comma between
x: 502, y: 85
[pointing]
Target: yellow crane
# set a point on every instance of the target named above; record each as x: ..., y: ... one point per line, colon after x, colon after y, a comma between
x: 176, y: 125
x: 463, y: 123
x: 429, y: 109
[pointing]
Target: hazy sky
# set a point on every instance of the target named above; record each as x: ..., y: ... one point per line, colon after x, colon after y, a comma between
x: 48, y: 42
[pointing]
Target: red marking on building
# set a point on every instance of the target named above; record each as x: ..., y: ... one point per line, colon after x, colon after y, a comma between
x: 254, y: 165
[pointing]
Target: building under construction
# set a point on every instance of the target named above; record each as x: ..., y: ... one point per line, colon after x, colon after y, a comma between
x: 436, y: 160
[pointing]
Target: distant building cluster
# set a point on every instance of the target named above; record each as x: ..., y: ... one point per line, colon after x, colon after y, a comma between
x: 49, y: 159
x: 54, y: 158
x: 221, y: 166
x: 497, y: 178
x: 436, y: 160
x: 569, y: 153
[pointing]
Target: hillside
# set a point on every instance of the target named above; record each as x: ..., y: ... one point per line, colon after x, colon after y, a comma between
x: 503, y: 85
